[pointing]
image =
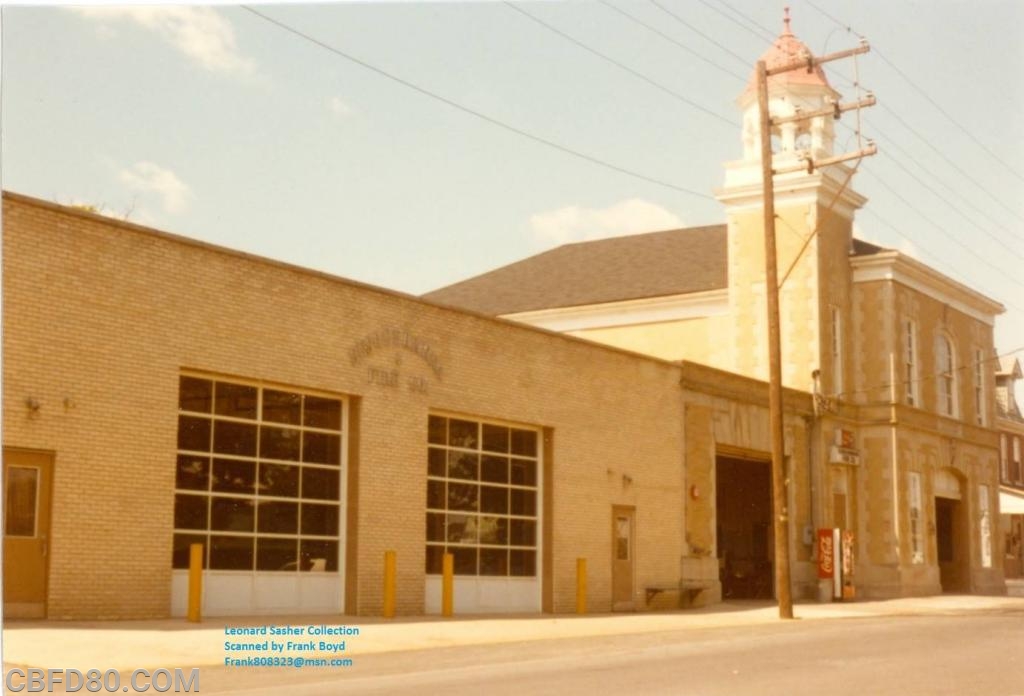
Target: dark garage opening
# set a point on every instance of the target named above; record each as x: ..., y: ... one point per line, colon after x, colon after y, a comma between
x: 743, y: 497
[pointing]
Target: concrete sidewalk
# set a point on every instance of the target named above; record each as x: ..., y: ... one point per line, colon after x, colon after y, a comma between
x: 127, y: 645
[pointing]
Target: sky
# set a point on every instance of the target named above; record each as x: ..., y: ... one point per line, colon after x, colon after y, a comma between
x: 411, y: 145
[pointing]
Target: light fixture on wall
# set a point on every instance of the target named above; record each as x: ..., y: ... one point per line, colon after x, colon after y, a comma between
x: 627, y: 480
x: 33, y: 405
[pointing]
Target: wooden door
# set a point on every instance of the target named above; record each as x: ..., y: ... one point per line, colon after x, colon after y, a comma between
x: 27, y: 480
x: 623, y: 557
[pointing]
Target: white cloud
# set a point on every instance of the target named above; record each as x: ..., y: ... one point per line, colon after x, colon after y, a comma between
x: 338, y: 107
x: 576, y: 224
x: 146, y: 177
x: 201, y: 33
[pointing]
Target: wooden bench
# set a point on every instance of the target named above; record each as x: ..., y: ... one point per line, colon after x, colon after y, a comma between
x: 689, y: 588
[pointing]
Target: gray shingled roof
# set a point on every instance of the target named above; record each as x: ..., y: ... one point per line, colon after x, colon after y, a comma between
x: 655, y: 264
x: 607, y: 270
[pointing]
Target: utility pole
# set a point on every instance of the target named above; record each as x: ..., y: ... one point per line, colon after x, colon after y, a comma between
x: 780, y: 496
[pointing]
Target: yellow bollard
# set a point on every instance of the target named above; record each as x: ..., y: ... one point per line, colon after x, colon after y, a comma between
x: 195, y: 583
x: 581, y: 586
x: 447, y: 584
x: 389, y: 584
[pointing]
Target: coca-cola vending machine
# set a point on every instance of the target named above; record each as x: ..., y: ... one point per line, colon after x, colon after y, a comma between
x: 835, y: 561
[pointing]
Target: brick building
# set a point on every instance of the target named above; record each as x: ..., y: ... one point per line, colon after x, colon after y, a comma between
x: 1010, y: 424
x: 899, y: 357
x: 159, y: 391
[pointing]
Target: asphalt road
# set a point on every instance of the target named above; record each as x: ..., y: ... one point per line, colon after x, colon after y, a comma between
x: 978, y: 654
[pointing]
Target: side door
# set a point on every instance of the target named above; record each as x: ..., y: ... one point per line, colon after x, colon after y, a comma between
x: 623, y: 557
x: 27, y: 481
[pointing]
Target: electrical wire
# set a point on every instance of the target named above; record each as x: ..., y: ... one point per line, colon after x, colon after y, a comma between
x: 938, y: 107
x: 923, y: 250
x: 482, y: 116
x: 891, y: 143
x: 817, y: 226
x: 945, y: 200
x: 667, y: 90
x: 747, y: 23
x: 894, y: 191
x: 671, y: 40
x: 929, y: 377
x: 745, y: 61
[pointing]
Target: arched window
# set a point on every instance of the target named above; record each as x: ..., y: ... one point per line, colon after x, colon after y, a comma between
x: 945, y: 363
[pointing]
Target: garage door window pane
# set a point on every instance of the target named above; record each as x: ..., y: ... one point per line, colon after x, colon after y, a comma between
x: 272, y: 496
x: 491, y: 498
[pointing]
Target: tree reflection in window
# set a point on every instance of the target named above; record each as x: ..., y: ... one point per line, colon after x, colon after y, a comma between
x: 482, y: 497
x: 270, y: 500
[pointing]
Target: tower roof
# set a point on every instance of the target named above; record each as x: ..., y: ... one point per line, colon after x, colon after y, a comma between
x: 785, y: 50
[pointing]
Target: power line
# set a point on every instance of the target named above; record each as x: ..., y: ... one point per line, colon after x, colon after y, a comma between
x: 942, y: 230
x: 746, y: 23
x: 895, y: 192
x: 631, y: 71
x: 892, y: 143
x: 927, y: 252
x: 672, y: 40
x: 948, y: 161
x: 698, y: 32
x: 938, y: 107
x: 930, y: 377
x: 896, y: 116
x: 820, y: 218
x: 484, y: 117
x: 960, y: 212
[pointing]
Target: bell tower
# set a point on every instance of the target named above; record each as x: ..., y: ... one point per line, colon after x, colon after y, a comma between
x: 814, y: 210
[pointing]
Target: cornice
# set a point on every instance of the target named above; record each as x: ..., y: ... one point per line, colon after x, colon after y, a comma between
x: 896, y: 267
x: 649, y: 310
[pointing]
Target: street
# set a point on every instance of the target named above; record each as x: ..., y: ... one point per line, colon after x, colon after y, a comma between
x: 950, y: 654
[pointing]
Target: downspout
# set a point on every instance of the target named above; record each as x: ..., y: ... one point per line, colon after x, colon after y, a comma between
x: 895, y: 461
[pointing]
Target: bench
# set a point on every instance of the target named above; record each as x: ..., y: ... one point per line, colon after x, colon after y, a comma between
x: 690, y: 588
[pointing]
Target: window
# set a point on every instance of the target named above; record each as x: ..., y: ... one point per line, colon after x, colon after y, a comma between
x: 1004, y: 458
x: 979, y: 387
x: 946, y: 378
x: 21, y: 501
x: 910, y: 362
x: 837, y: 352
x: 985, y: 527
x: 482, y: 497
x: 916, y: 523
x: 1016, y: 474
x: 258, y: 477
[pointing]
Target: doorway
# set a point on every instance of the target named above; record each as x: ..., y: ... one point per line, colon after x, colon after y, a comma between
x: 27, y: 481
x: 623, y: 557
x: 743, y: 499
x: 949, y: 539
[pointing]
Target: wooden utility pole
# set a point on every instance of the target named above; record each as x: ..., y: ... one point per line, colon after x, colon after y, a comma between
x: 780, y: 494
x: 783, y: 584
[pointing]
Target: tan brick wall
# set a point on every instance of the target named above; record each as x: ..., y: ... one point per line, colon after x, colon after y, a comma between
x: 103, y: 317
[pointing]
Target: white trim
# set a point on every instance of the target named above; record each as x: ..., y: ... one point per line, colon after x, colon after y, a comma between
x: 928, y: 281
x: 980, y: 393
x: 743, y: 189
x: 984, y: 526
x: 916, y: 530
x: 1011, y: 502
x: 911, y: 393
x: 948, y: 404
x: 649, y: 310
